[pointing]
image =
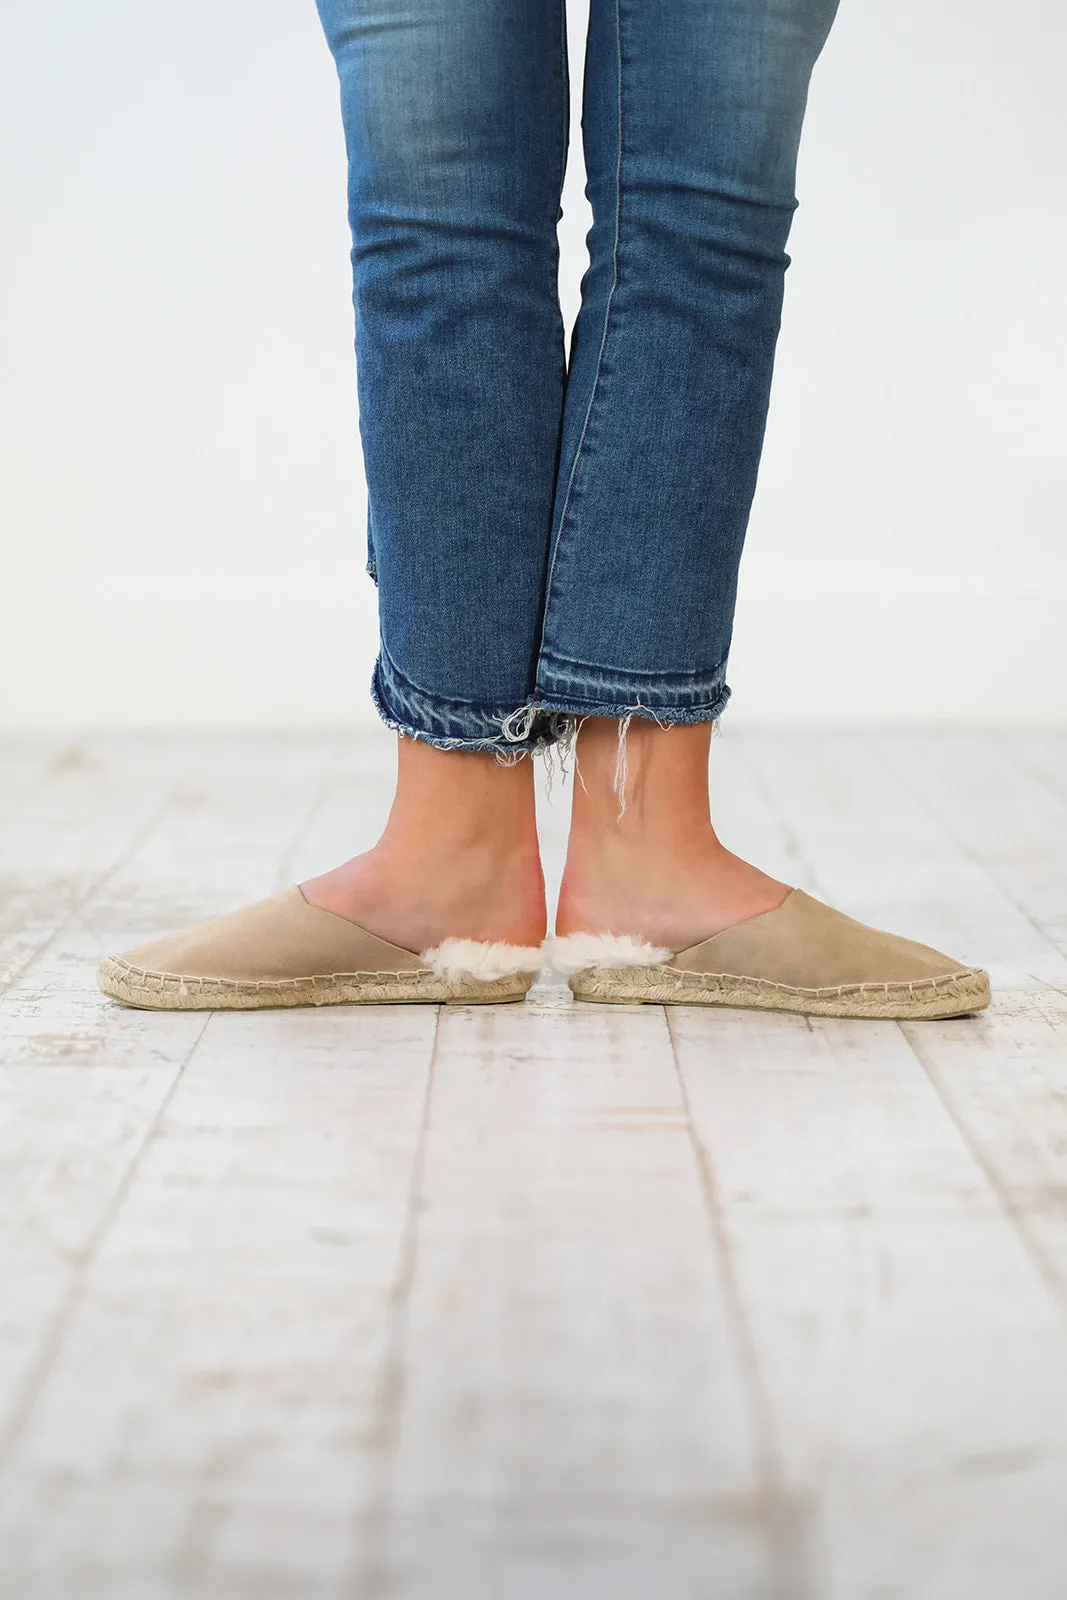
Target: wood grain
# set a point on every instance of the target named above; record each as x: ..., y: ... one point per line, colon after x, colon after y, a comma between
x: 554, y: 1300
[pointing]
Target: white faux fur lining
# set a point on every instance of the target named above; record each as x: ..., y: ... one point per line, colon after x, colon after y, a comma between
x: 475, y: 958
x: 575, y: 952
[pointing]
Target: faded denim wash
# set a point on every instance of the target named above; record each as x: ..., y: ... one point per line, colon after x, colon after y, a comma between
x: 549, y: 537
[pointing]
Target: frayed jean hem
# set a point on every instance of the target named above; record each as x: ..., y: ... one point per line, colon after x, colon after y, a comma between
x: 539, y: 724
x: 668, y: 716
x: 448, y: 724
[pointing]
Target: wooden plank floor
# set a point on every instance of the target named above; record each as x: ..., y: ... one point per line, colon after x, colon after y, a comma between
x: 540, y: 1303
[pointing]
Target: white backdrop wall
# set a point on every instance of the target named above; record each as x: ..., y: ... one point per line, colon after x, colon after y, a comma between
x: 181, y: 504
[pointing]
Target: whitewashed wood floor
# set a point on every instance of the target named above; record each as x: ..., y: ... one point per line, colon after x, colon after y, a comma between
x: 531, y: 1303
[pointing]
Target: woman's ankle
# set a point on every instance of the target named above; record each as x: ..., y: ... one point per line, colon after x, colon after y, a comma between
x: 458, y: 858
x: 671, y: 898
x: 647, y: 862
x: 416, y: 898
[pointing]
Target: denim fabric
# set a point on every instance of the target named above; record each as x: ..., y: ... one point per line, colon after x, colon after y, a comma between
x: 558, y: 538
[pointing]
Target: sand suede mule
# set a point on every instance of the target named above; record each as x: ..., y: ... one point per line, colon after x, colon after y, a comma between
x: 803, y: 956
x: 285, y: 952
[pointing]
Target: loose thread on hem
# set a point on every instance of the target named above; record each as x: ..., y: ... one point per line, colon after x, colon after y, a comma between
x: 503, y: 758
x: 622, y: 765
x: 518, y: 724
x: 577, y: 728
x: 563, y: 749
x: 622, y: 759
x: 557, y: 743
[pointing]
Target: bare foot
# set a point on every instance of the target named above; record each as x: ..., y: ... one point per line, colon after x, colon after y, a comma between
x: 458, y: 858
x: 659, y: 871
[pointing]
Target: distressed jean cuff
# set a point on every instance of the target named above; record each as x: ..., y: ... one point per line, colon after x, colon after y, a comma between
x: 450, y: 724
x: 566, y: 692
x: 666, y: 697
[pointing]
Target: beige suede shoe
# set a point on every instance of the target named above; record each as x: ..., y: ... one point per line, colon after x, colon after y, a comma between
x: 803, y: 956
x: 286, y: 952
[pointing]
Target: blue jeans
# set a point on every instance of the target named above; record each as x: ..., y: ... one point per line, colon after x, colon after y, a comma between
x: 554, y: 539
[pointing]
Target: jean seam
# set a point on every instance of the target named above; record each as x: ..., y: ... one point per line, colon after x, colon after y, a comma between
x: 674, y: 679
x: 430, y: 696
x: 576, y: 705
x: 604, y: 338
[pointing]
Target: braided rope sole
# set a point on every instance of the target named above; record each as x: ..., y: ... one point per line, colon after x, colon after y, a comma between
x: 928, y: 998
x: 169, y: 991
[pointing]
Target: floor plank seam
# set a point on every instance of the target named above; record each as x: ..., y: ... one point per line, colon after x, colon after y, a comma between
x: 55, y: 1335
x: 1046, y: 780
x: 372, y: 1576
x: 790, y: 1567
x: 140, y: 836
x: 1007, y: 1204
x: 937, y: 815
x: 61, y: 749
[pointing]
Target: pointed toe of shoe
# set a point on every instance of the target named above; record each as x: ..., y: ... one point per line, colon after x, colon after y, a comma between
x: 285, y: 952
x: 805, y: 957
x: 225, y: 962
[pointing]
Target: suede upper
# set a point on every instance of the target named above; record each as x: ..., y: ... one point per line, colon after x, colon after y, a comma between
x: 808, y: 945
x: 282, y: 937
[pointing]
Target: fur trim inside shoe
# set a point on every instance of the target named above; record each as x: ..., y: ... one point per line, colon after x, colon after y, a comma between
x: 487, y: 960
x: 574, y: 952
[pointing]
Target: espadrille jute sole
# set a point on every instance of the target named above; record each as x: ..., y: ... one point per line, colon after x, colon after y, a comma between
x: 168, y: 991
x: 954, y: 995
